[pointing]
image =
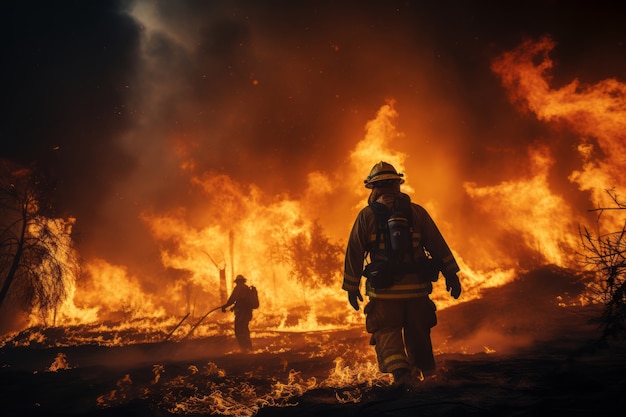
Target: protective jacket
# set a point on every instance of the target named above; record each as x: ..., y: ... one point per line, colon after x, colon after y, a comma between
x: 239, y: 298
x: 425, y: 237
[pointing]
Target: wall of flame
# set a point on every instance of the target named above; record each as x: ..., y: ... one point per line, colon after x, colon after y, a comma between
x: 245, y: 128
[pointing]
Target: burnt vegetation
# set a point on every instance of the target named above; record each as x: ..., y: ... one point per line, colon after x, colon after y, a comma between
x: 604, y: 253
x: 36, y: 257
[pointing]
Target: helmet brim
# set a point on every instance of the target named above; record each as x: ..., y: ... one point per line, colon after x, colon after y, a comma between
x: 383, y: 177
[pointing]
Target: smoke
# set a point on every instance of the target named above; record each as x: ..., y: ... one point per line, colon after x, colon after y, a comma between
x: 135, y: 106
x: 264, y: 99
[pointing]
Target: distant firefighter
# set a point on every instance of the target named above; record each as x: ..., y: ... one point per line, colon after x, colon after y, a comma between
x: 405, y: 253
x: 244, y: 299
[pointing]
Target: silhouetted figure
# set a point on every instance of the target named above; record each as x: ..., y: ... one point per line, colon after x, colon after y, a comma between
x: 400, y: 313
x: 240, y: 299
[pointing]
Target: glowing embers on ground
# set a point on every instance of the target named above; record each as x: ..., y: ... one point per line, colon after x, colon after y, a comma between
x: 210, y: 389
x: 240, y: 384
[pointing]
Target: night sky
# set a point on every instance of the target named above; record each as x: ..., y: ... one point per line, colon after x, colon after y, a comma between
x: 109, y: 98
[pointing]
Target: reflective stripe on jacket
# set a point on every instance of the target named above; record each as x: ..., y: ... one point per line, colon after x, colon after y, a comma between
x: 361, y: 243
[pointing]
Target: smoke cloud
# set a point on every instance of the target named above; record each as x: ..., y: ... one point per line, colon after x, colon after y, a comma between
x: 133, y: 107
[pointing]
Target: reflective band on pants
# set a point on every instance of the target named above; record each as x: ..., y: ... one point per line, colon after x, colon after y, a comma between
x: 395, y: 324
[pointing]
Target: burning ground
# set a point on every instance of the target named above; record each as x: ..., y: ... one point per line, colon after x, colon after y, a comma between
x: 515, y: 351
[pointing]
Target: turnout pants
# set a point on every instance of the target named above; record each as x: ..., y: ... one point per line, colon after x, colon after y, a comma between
x: 400, y: 332
x: 242, y: 331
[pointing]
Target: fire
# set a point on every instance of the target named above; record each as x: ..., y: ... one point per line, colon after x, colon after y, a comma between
x: 60, y: 363
x: 272, y: 239
x: 217, y: 392
x: 261, y: 251
x: 291, y: 246
x: 267, y: 228
x: 282, y: 244
x: 595, y: 112
x: 530, y: 213
x: 380, y: 132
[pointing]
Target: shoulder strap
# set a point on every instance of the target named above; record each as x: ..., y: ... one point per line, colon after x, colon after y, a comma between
x: 402, y: 207
x: 402, y: 204
x: 382, y: 213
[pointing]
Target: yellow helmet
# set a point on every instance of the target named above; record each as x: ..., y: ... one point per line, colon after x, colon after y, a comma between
x: 380, y: 172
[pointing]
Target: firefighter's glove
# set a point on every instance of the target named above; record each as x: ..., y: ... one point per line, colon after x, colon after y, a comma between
x: 223, y: 309
x: 353, y: 296
x: 453, y: 286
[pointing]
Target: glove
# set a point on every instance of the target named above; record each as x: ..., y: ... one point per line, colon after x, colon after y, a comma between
x: 352, y: 297
x: 223, y: 309
x: 453, y: 286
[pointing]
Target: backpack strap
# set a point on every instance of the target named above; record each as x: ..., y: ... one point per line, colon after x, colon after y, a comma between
x: 382, y: 213
x: 402, y: 205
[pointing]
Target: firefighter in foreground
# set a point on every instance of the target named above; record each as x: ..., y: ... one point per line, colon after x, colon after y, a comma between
x: 400, y: 313
x: 242, y: 307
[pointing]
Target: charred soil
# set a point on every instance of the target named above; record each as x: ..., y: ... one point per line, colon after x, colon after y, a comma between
x: 510, y: 353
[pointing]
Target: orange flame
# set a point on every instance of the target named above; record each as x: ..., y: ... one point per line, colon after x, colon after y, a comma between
x: 595, y: 112
x: 274, y: 239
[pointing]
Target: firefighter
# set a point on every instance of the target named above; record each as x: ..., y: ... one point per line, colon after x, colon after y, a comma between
x: 239, y: 298
x: 399, y: 317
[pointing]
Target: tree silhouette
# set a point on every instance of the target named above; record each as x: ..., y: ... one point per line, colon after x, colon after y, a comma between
x: 37, y: 262
x: 222, y: 269
x: 606, y: 254
x: 314, y: 255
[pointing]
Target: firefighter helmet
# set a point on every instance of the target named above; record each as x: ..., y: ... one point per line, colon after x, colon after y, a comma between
x: 380, y: 172
x: 240, y: 278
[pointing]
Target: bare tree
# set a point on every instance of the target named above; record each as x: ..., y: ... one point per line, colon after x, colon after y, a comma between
x: 37, y: 262
x: 606, y: 254
x: 222, y: 269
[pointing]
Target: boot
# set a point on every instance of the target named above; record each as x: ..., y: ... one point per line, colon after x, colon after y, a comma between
x: 401, y: 377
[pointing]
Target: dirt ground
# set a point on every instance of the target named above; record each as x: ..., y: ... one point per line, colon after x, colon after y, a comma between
x: 506, y: 354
